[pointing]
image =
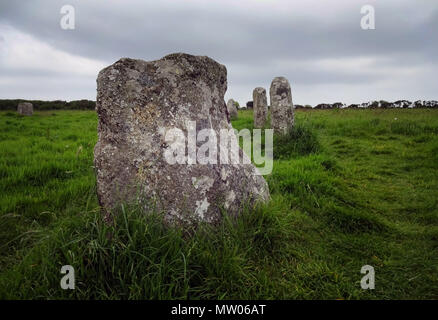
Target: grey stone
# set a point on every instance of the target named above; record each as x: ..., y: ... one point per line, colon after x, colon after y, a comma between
x: 136, y: 102
x: 232, y: 108
x: 260, y: 107
x: 282, y: 110
x: 25, y: 108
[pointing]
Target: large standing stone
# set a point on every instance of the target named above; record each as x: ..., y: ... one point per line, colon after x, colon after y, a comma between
x: 25, y: 108
x: 260, y: 107
x: 137, y: 102
x: 282, y: 112
x: 232, y: 108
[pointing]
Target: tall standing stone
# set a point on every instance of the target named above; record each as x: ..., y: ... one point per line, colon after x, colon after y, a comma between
x: 282, y: 112
x: 260, y: 107
x: 138, y: 103
x: 232, y: 108
x: 25, y: 108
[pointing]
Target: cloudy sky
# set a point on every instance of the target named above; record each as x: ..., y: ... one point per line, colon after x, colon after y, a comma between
x: 318, y: 45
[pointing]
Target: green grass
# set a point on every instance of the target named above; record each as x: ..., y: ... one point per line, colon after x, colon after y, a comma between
x: 349, y: 188
x: 300, y: 140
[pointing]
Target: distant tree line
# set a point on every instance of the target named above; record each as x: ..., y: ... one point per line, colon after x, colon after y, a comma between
x: 11, y: 104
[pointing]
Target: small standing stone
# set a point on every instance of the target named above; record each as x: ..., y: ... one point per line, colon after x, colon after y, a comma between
x: 25, y: 108
x: 232, y: 109
x: 282, y: 112
x: 260, y: 107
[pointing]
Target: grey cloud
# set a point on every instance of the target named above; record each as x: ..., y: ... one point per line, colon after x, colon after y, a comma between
x: 149, y: 30
x: 405, y: 35
x: 47, y: 87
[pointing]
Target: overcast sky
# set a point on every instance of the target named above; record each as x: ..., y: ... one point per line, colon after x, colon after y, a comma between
x: 318, y: 45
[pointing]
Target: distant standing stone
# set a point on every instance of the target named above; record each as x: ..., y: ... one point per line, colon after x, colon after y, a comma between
x: 282, y: 112
x: 232, y: 109
x: 260, y: 107
x: 25, y: 108
x: 138, y: 104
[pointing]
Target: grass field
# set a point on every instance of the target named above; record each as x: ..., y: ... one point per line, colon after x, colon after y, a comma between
x: 349, y: 188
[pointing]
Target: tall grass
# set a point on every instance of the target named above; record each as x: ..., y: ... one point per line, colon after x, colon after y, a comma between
x: 139, y: 256
x: 301, y: 140
x: 348, y: 187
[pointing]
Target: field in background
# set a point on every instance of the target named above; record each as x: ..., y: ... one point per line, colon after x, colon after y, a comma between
x: 349, y: 188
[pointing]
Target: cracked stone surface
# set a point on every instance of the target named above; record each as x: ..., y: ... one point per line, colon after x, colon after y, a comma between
x: 136, y: 101
x: 282, y: 109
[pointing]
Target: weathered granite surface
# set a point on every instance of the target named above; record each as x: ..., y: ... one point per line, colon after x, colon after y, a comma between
x: 137, y: 103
